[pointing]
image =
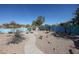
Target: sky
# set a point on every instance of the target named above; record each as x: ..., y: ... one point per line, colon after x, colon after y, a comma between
x: 26, y: 13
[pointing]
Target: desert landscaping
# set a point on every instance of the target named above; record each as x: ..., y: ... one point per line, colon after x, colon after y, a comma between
x: 37, y: 42
x: 39, y: 29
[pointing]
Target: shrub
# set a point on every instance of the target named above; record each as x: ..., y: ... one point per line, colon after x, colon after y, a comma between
x: 16, y: 39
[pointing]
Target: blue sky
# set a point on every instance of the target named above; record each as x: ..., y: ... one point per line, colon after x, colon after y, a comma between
x: 26, y: 13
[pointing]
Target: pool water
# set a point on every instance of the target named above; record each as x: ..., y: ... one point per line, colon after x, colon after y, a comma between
x: 2, y: 30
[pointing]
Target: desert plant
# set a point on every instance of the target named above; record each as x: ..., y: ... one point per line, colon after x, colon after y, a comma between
x: 17, y: 38
x: 41, y: 37
x: 39, y: 21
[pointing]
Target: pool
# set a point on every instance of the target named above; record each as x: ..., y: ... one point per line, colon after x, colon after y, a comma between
x: 2, y: 30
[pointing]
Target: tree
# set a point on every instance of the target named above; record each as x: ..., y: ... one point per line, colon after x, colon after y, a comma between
x: 76, y: 18
x: 34, y: 23
x: 64, y: 25
x: 6, y: 25
x: 39, y: 21
x: 13, y: 23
